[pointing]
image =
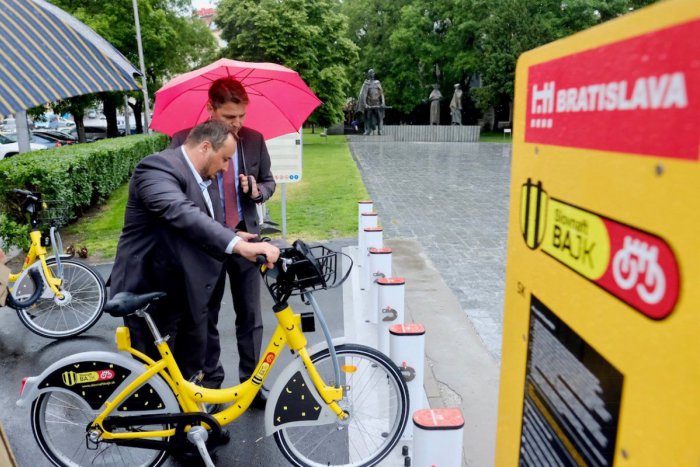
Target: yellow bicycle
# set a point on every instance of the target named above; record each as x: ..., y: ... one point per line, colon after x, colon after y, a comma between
x: 54, y: 296
x: 341, y: 404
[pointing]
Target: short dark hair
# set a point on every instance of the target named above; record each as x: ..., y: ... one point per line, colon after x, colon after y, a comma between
x: 225, y: 90
x: 213, y: 131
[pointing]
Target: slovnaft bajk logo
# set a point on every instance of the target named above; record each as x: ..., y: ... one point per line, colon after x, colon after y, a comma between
x: 635, y: 266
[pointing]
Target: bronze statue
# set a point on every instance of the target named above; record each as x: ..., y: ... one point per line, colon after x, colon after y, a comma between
x: 435, y: 98
x: 456, y: 105
x: 371, y: 104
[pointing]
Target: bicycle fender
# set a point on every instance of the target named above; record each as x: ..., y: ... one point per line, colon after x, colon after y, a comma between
x: 61, y: 256
x: 48, y: 293
x: 293, y: 399
x: 97, y: 377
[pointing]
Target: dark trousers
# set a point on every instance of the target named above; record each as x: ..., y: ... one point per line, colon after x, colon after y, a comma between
x: 244, y: 277
x: 187, y: 332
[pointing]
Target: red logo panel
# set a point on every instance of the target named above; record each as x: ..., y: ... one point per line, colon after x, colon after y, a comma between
x: 638, y: 96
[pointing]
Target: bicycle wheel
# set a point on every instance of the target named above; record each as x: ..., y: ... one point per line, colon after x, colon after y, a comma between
x: 376, y: 399
x: 80, y: 308
x: 59, y: 423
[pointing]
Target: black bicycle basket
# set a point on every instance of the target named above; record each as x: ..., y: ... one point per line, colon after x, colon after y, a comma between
x: 303, y: 269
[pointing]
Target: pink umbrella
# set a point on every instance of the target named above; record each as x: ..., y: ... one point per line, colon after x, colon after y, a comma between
x: 280, y: 101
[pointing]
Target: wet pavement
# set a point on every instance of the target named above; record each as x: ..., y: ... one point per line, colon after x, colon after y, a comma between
x: 453, y: 199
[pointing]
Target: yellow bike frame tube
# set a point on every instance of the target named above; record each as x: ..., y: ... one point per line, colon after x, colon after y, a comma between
x: 291, y: 323
x: 126, y: 392
x: 242, y: 395
x: 38, y: 251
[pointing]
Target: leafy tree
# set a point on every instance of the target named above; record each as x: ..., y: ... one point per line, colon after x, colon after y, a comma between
x: 433, y: 42
x: 512, y: 27
x: 308, y: 36
x: 173, y: 40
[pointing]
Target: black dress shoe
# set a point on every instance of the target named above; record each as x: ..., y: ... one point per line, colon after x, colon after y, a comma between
x: 260, y: 400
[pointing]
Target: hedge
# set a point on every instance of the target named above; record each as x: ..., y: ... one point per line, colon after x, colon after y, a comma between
x: 75, y: 177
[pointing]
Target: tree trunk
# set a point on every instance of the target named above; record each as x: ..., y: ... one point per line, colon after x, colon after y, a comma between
x: 136, y: 108
x: 109, y: 108
x: 80, y: 126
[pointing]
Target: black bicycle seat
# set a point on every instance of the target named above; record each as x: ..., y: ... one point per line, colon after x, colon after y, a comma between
x: 126, y: 303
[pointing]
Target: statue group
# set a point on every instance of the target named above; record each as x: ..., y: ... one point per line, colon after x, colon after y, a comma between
x: 371, y: 105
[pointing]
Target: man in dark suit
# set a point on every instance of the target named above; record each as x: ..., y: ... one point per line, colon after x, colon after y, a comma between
x: 173, y: 241
x: 248, y: 182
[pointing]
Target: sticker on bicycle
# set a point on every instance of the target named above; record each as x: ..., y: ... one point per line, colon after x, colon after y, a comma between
x: 71, y: 378
x: 634, y: 266
x: 264, y: 368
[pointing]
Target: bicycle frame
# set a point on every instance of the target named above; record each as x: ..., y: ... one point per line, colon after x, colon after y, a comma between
x: 190, y: 395
x: 38, y: 252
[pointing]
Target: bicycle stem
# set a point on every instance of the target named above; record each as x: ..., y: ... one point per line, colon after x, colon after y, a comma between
x: 327, y: 334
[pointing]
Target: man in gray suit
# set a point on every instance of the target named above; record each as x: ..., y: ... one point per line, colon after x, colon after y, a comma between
x: 173, y: 241
x: 248, y: 181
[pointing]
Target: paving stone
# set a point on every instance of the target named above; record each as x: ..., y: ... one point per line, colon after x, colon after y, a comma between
x: 453, y: 199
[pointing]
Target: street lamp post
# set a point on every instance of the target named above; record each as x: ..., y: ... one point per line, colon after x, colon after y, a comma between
x: 143, y: 67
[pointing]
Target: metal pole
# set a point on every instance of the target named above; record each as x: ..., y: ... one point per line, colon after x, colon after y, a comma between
x: 22, y: 128
x: 284, y: 211
x: 143, y: 67
x: 127, y: 125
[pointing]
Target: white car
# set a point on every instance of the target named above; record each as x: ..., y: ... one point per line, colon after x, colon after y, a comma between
x: 9, y: 147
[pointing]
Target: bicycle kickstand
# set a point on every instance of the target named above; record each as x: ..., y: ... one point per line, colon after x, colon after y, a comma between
x: 198, y: 436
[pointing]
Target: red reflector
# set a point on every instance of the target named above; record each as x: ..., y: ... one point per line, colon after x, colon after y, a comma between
x: 21, y: 389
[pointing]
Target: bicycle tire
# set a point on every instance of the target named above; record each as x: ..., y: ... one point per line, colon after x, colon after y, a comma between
x: 76, y: 313
x: 59, y: 422
x: 376, y: 398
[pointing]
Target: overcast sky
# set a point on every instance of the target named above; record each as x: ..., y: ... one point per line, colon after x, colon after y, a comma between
x: 197, y: 4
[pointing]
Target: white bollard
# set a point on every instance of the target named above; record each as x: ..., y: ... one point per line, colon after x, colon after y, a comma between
x: 374, y: 238
x: 407, y: 342
x: 389, y: 309
x: 364, y: 206
x: 437, y: 437
x: 367, y: 219
x: 379, y: 266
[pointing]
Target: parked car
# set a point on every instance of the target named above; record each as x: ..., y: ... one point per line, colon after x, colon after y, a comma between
x: 53, y: 122
x: 56, y: 135
x: 92, y: 133
x: 9, y: 146
x: 8, y: 126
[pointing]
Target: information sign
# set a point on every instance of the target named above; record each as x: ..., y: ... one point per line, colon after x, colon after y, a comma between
x: 285, y: 155
x: 601, y: 358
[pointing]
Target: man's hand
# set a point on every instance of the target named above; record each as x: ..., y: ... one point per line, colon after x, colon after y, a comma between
x: 246, y: 181
x: 251, y: 251
x: 247, y: 236
x: 3, y: 258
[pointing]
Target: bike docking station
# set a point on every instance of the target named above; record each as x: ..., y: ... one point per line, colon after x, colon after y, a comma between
x: 600, y: 361
x: 375, y: 316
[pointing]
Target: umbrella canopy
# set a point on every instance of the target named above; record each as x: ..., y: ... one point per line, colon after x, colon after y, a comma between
x: 280, y: 101
x: 46, y: 54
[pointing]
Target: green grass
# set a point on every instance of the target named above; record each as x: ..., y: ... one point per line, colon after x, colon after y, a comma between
x: 322, y: 206
x: 99, y: 228
x: 495, y: 137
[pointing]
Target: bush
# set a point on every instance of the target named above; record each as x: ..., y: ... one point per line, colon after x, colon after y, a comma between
x: 78, y: 177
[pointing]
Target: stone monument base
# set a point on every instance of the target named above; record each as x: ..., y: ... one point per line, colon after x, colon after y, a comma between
x: 432, y: 133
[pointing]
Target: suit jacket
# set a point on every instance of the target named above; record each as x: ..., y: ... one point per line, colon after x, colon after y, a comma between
x: 253, y: 159
x: 169, y: 241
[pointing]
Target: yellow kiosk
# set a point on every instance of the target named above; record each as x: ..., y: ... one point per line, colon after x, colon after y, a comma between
x: 601, y: 342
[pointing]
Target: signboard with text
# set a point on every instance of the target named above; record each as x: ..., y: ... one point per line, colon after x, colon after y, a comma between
x: 601, y: 341
x: 285, y: 156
